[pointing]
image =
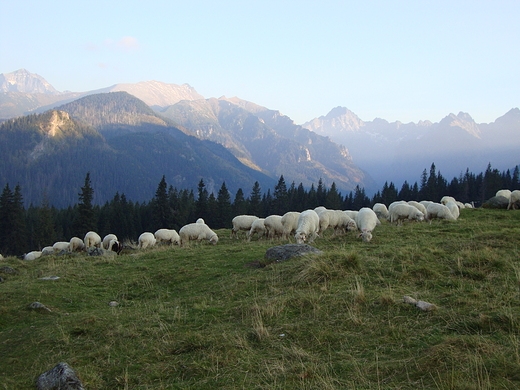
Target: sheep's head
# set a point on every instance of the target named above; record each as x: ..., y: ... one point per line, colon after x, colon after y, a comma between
x: 214, y: 239
x: 351, y: 225
x: 366, y: 235
x: 300, y: 238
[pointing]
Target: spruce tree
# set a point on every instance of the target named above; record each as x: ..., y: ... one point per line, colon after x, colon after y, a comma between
x: 280, y: 198
x: 255, y: 201
x: 85, y: 220
x: 162, y: 214
x: 224, y: 208
x: 201, y: 206
x: 240, y: 203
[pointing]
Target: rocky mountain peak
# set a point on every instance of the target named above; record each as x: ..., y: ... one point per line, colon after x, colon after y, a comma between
x: 22, y: 80
x: 464, y: 121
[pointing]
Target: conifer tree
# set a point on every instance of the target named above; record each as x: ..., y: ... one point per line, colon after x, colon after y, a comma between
x: 162, y: 214
x: 85, y: 217
x: 201, y: 206
x: 12, y: 222
x: 224, y: 208
x: 45, y: 232
x: 240, y: 203
x: 280, y: 197
x: 333, y: 199
x: 255, y: 201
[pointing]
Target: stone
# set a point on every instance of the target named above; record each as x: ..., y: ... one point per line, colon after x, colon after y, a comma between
x: 496, y: 202
x: 8, y: 270
x: 285, y: 252
x: 93, y: 251
x: 61, y: 377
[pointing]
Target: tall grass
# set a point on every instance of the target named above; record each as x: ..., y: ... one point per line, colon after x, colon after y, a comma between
x: 208, y: 317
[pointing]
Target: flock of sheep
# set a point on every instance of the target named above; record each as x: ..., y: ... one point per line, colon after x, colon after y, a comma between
x: 306, y: 226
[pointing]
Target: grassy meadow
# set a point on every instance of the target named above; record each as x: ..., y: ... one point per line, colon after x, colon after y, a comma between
x: 218, y: 317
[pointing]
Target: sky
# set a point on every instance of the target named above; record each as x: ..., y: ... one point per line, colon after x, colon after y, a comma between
x: 397, y: 60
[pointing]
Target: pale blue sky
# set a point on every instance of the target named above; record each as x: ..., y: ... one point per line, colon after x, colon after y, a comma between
x: 397, y: 60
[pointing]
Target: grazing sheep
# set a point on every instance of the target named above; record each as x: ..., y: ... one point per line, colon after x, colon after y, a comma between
x: 345, y: 223
x: 76, y: 244
x: 446, y: 199
x: 381, y: 211
x: 146, y: 240
x: 61, y: 246
x: 366, y: 221
x: 308, y: 226
x: 289, y: 223
x: 401, y: 211
x: 242, y: 222
x: 514, y: 200
x: 92, y: 239
x: 257, y: 227
x: 49, y: 250
x: 351, y: 213
x: 425, y: 203
x: 115, y: 246
x: 197, y: 231
x: 319, y: 209
x: 468, y: 205
x: 505, y: 193
x: 273, y: 226
x: 454, y: 208
x: 106, y: 240
x: 167, y: 235
x: 418, y: 206
x: 32, y: 255
x: 439, y: 211
x: 337, y: 220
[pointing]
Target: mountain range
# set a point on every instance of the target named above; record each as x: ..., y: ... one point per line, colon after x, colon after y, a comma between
x: 338, y: 147
x: 129, y: 145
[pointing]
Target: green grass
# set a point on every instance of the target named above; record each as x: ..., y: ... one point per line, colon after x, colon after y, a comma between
x: 204, y: 317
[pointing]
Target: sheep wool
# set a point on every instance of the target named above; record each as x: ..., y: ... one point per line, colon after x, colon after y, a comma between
x: 146, y: 240
x: 198, y: 232
x: 167, y: 235
x: 308, y: 226
x: 366, y: 221
x: 242, y: 222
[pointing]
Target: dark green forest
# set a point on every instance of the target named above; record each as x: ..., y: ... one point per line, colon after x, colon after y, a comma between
x: 24, y: 229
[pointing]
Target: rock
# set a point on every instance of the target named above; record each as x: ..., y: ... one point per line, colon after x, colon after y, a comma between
x: 38, y: 306
x: 285, y: 252
x: 496, y: 202
x: 93, y: 251
x: 113, y: 303
x: 61, y: 377
x: 50, y: 278
x: 424, y: 306
x: 8, y: 270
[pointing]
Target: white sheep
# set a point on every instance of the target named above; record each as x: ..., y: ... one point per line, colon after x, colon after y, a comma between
x: 351, y: 213
x: 454, y: 208
x: 76, y: 244
x: 345, y: 223
x: 61, y: 246
x: 257, y: 227
x: 92, y: 239
x: 167, y: 235
x: 197, y: 231
x: 106, y: 240
x: 32, y: 255
x: 289, y: 223
x: 418, y: 206
x: 366, y: 221
x: 146, y: 240
x: 308, y: 226
x: 514, y: 200
x: 401, y: 211
x: 337, y: 220
x: 381, y: 211
x: 200, y: 220
x: 273, y: 226
x: 439, y: 211
x: 48, y: 250
x: 505, y: 193
x: 446, y: 199
x: 242, y: 222
x: 319, y: 209
x: 468, y: 205
x: 425, y: 203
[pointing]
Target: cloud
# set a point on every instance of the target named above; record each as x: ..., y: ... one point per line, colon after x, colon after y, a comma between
x: 128, y: 43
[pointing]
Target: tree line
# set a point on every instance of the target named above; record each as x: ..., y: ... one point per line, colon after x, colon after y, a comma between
x: 24, y: 229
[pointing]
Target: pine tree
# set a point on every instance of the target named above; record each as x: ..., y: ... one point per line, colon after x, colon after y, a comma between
x: 333, y: 199
x: 280, y: 198
x: 85, y: 217
x: 240, y: 203
x: 224, y: 208
x: 255, y: 201
x: 45, y: 232
x: 13, y: 239
x: 201, y: 207
x: 162, y: 214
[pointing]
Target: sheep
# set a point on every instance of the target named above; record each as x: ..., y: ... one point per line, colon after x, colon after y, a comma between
x: 308, y: 226
x: 273, y: 226
x: 401, y: 211
x: 167, y: 235
x: 61, y: 246
x: 345, y: 223
x: 454, y: 208
x: 440, y: 211
x: 505, y: 193
x: 106, y: 240
x: 319, y: 209
x: 32, y: 255
x: 351, y: 213
x: 425, y: 203
x: 197, y: 231
x: 200, y: 220
x: 257, y: 227
x: 381, y: 211
x: 242, y: 222
x: 418, y: 206
x: 366, y: 221
x: 446, y: 199
x: 76, y: 244
x: 335, y: 219
x: 92, y: 239
x: 146, y: 240
x: 48, y: 250
x: 468, y: 205
x: 289, y: 223
x: 514, y: 200
x: 115, y: 246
